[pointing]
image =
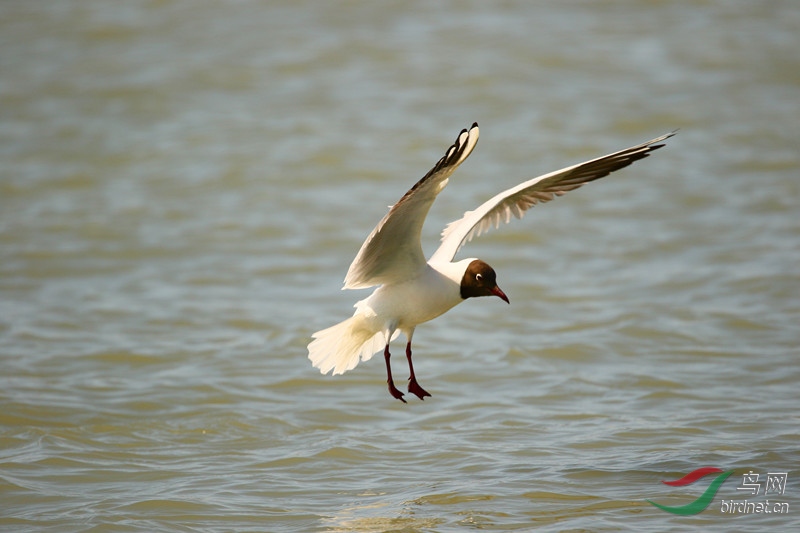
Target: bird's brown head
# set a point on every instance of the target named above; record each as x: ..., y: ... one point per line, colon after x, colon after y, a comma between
x: 480, y: 280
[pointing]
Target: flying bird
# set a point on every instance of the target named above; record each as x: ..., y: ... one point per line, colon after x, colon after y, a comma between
x: 411, y: 290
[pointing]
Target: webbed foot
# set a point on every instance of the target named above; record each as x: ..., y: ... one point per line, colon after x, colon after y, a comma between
x: 414, y: 388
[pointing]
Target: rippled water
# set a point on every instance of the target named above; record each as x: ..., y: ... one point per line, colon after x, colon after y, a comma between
x: 183, y: 185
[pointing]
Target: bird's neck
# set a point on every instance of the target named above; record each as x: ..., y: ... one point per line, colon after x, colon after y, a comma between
x: 454, y: 271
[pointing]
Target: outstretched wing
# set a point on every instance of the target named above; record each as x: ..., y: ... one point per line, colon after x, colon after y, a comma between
x: 393, y: 252
x: 517, y: 200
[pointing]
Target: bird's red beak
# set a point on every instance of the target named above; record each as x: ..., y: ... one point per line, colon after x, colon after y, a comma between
x: 500, y: 294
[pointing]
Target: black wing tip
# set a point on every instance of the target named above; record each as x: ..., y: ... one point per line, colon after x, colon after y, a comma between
x: 451, y: 155
x: 665, y: 137
x: 465, y: 130
x: 455, y: 151
x: 645, y: 149
x: 651, y: 145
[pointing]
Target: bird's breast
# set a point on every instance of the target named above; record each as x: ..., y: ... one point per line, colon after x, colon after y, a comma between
x: 415, y: 301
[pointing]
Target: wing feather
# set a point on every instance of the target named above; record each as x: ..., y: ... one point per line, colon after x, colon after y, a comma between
x: 517, y: 200
x: 393, y: 252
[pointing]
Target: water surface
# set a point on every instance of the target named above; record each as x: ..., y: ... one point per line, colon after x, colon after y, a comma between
x: 184, y: 184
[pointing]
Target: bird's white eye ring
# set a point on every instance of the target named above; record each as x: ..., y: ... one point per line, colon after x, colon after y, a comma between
x: 478, y: 277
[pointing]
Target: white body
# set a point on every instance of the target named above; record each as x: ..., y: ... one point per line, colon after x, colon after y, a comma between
x: 390, y: 309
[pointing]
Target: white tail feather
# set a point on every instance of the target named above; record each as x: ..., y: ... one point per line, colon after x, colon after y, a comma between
x: 341, y: 347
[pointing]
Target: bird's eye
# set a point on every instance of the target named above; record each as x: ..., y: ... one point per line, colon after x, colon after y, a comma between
x: 478, y: 277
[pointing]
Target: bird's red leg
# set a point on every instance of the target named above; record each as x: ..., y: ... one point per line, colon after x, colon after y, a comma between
x: 413, y: 386
x: 392, y: 389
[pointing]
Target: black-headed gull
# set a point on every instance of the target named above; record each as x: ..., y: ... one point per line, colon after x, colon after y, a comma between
x: 412, y: 290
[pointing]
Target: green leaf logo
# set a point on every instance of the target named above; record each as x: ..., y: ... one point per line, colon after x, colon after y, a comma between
x: 704, y: 500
